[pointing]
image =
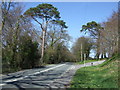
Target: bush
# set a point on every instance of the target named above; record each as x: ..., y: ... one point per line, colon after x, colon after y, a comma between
x: 58, y: 54
x: 23, y: 55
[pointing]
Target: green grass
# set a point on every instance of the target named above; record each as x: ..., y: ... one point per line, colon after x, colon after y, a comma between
x: 101, y: 76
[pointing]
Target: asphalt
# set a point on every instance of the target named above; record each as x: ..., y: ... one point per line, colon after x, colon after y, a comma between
x: 51, y: 76
x: 35, y: 78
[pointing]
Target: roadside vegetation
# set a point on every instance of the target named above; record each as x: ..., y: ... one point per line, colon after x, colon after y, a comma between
x: 104, y: 75
x: 26, y: 46
x: 38, y: 36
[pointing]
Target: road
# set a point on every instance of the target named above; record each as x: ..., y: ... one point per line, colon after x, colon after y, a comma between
x: 51, y: 76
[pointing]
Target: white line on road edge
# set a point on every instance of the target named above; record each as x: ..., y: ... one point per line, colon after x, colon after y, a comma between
x: 65, y: 71
x: 61, y: 75
x: 12, y: 80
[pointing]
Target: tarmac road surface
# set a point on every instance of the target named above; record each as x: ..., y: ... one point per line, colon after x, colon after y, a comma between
x: 51, y: 76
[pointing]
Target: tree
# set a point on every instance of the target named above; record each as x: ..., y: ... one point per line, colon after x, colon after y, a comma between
x: 57, y: 33
x: 109, y: 35
x: 56, y: 55
x: 118, y: 30
x: 82, y: 47
x: 5, y: 6
x: 56, y: 39
x: 105, y: 34
x: 28, y: 52
x: 13, y: 44
x: 47, y: 13
x: 94, y: 29
x: 10, y: 33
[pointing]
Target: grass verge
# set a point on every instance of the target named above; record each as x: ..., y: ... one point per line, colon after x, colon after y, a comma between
x: 101, y: 76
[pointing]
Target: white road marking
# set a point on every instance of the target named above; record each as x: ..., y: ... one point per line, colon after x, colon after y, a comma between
x: 72, y: 67
x: 2, y: 84
x: 65, y: 71
x: 12, y: 80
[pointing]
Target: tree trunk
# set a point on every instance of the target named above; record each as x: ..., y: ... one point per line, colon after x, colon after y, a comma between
x: 102, y: 55
x: 43, y: 47
x: 52, y: 42
x: 105, y: 55
x: 97, y: 55
x: 118, y: 44
x: 81, y: 53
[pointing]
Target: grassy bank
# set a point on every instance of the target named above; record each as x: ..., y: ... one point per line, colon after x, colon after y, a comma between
x: 101, y: 76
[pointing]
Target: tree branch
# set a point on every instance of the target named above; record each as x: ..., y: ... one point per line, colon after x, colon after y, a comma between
x: 38, y: 23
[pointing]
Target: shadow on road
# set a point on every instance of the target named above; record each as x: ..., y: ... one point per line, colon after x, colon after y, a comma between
x: 43, y: 80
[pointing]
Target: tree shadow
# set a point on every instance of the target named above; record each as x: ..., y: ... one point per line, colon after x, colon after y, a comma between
x: 41, y: 81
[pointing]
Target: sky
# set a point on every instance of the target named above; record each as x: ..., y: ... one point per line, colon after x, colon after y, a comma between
x: 76, y: 14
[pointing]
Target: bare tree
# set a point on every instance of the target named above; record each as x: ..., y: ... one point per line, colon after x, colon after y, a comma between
x: 57, y: 33
x: 82, y: 46
x: 109, y: 35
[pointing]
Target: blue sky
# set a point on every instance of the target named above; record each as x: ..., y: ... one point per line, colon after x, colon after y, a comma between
x: 79, y: 13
